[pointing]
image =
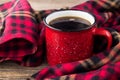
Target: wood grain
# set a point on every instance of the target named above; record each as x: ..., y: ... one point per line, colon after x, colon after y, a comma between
x: 12, y: 71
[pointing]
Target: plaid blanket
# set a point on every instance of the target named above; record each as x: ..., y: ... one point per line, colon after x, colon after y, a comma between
x: 104, y: 65
x: 21, y: 36
x: 22, y: 41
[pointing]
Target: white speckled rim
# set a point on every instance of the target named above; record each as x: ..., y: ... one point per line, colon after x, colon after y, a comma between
x: 65, y: 13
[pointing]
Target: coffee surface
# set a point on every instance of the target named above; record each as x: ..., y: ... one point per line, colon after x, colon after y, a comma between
x: 70, y: 24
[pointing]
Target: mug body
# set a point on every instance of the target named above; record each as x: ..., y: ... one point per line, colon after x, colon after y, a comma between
x: 63, y: 47
x: 71, y: 42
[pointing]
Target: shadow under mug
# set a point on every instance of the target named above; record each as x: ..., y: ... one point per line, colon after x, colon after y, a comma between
x: 68, y: 44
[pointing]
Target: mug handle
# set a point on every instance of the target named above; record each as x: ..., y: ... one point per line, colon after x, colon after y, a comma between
x: 105, y: 33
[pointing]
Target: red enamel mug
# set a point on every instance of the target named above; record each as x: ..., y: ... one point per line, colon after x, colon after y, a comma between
x: 70, y: 36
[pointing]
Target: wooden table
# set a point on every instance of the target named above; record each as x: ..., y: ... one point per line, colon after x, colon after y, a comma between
x: 12, y: 71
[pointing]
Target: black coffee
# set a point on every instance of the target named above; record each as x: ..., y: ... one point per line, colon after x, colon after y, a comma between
x: 70, y: 24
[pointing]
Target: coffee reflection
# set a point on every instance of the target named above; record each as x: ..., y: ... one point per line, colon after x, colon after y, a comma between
x: 70, y: 23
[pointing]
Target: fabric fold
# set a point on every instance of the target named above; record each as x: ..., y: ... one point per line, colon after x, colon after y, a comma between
x: 20, y: 34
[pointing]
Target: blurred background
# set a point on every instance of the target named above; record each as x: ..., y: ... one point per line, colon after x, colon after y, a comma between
x: 50, y: 4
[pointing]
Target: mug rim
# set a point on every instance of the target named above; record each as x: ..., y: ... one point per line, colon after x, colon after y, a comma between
x: 47, y: 22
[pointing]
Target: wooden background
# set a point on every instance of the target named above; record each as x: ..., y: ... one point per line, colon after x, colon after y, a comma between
x: 12, y: 71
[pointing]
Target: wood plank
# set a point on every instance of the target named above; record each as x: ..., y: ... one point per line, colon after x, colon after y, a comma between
x: 10, y: 70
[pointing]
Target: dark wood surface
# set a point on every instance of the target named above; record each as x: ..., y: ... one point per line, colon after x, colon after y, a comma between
x: 12, y: 71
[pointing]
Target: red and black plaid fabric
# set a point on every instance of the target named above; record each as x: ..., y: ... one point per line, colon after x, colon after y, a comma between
x: 21, y: 39
x: 104, y: 65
